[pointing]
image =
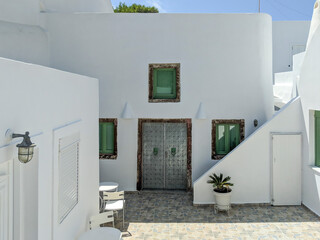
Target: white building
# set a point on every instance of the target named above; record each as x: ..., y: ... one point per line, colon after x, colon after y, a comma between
x: 167, y: 84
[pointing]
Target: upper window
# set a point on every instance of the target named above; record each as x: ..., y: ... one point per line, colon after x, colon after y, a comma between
x: 317, y: 137
x: 164, y: 82
x: 226, y: 135
x: 107, y: 138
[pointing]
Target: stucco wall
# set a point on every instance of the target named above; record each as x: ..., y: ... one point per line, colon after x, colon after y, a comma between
x: 43, y: 100
x: 20, y: 11
x: 78, y: 6
x: 226, y: 63
x: 24, y: 43
x: 308, y: 90
x: 285, y: 35
x: 249, y: 164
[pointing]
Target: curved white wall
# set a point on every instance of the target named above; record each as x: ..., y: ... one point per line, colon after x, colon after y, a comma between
x: 226, y: 63
x: 308, y: 87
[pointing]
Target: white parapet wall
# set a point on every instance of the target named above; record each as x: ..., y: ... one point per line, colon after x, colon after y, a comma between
x: 50, y: 104
x: 249, y: 164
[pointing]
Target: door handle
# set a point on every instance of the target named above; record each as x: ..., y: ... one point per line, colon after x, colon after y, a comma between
x: 173, y: 151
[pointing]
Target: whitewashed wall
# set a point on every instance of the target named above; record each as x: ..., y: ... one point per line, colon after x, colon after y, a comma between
x: 226, y: 63
x: 249, y: 164
x: 78, y: 6
x: 20, y: 11
x: 43, y: 100
x: 308, y: 90
x: 28, y: 11
x: 24, y: 43
x: 285, y: 35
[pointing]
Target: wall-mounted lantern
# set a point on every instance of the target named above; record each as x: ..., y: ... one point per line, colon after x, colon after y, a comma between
x: 255, y: 123
x: 25, y: 148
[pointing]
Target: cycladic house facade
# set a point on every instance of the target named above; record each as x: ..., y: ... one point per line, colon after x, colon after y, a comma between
x: 178, y: 96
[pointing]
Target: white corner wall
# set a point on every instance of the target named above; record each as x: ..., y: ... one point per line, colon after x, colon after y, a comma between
x: 249, y: 164
x: 226, y: 63
x: 308, y: 87
x: 46, y: 101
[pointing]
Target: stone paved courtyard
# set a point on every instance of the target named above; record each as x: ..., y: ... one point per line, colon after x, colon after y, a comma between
x: 171, y: 215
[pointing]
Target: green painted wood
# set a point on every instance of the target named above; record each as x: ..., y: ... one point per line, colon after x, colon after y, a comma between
x: 234, y: 133
x: 317, y: 113
x: 221, y: 147
x: 227, y: 138
x: 106, y: 137
x: 164, y: 83
x: 317, y: 138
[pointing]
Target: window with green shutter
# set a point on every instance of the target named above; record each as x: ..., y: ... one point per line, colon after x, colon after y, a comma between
x: 317, y: 137
x: 226, y: 135
x: 107, y: 138
x: 164, y: 82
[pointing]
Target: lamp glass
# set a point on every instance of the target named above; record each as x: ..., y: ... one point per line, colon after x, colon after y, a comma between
x: 25, y: 154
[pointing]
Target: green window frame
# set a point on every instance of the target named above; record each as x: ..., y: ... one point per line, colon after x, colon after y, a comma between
x: 227, y: 138
x: 317, y: 137
x: 164, y: 82
x: 226, y: 135
x: 107, y: 138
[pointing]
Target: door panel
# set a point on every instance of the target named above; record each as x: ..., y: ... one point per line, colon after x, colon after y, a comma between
x: 176, y: 156
x: 286, y: 170
x: 164, y: 155
x: 153, y: 155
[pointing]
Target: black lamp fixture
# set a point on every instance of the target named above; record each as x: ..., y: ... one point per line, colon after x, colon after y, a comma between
x: 25, y: 148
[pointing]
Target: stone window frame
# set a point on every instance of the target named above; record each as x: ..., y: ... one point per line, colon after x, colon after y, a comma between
x: 115, y: 154
x: 241, y: 123
x: 153, y: 66
x: 187, y: 121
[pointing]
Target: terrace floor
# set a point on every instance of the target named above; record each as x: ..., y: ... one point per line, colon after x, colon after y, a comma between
x: 171, y: 215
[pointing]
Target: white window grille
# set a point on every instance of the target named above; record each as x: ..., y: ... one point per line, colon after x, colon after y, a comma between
x: 68, y: 175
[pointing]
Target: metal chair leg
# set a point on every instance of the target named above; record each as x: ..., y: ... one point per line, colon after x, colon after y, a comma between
x: 123, y: 217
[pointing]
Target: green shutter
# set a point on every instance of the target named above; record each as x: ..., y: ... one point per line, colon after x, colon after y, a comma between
x: 164, y: 83
x: 221, y: 139
x: 234, y: 133
x: 106, y: 137
x: 317, y: 138
x: 227, y: 138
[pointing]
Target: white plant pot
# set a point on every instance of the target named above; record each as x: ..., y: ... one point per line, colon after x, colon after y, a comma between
x: 223, y: 200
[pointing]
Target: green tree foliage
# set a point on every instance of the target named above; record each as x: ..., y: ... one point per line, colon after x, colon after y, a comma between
x: 134, y: 8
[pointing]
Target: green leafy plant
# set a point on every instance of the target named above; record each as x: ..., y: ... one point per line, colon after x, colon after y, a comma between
x: 134, y: 8
x: 220, y: 184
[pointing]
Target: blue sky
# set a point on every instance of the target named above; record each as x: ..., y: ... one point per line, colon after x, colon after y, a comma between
x: 278, y: 9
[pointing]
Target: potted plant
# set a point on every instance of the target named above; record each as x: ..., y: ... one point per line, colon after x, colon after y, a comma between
x: 221, y: 191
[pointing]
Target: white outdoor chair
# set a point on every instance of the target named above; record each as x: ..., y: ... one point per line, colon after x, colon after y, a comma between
x: 114, y: 201
x: 102, y: 218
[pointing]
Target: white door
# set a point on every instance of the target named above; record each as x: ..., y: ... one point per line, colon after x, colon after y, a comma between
x: 286, y: 169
